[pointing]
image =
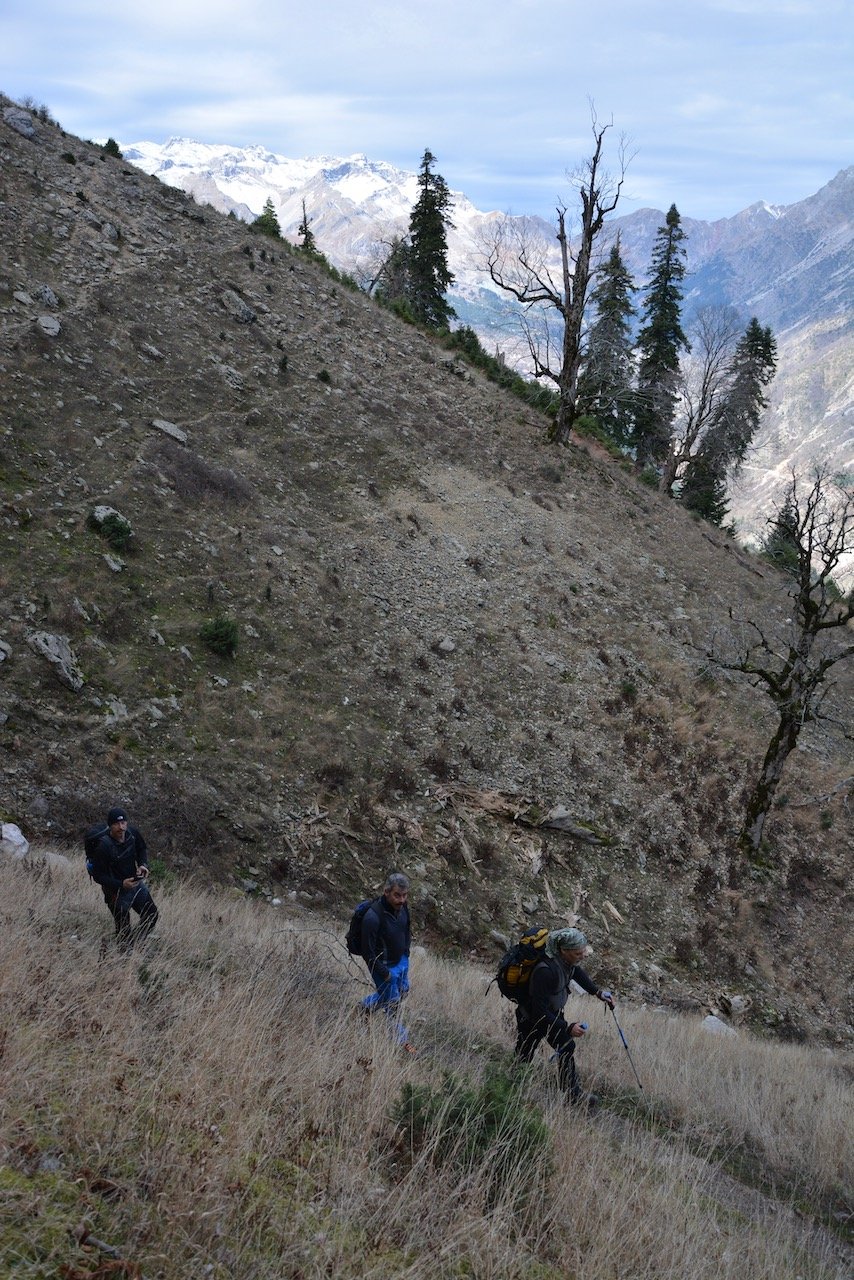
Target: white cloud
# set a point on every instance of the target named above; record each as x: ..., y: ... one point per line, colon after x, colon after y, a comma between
x: 726, y: 101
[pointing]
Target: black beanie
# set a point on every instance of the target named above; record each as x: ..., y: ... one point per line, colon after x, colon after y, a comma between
x: 116, y: 815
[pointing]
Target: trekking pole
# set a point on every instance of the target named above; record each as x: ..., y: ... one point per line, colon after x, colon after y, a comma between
x: 628, y: 1051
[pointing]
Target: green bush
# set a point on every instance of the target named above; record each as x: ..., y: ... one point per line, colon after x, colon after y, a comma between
x: 487, y: 1122
x: 221, y: 636
x: 114, y: 529
x: 112, y: 148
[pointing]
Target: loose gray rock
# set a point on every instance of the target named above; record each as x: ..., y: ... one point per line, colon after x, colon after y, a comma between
x: 232, y: 376
x: 237, y: 308
x: 45, y: 294
x: 446, y: 645
x: 716, y: 1027
x: 13, y: 843
x: 170, y: 429
x: 102, y: 512
x: 49, y: 326
x: 58, y: 652
x: 5, y: 651
x: 21, y: 121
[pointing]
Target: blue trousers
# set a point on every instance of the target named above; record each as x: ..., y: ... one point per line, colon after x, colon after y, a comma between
x: 388, y: 996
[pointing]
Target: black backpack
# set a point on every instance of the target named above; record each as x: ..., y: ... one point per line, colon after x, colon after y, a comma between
x: 353, y: 936
x: 517, y: 964
x: 91, y: 840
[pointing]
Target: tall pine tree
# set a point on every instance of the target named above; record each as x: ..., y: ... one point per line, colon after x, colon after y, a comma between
x: 736, y: 421
x: 605, y: 390
x: 660, y: 341
x: 429, y: 276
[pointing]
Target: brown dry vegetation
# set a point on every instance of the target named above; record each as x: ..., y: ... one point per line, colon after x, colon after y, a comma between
x: 349, y: 528
x: 212, y: 1105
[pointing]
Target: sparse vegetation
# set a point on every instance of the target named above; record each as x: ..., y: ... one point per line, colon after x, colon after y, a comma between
x: 220, y: 635
x: 221, y: 1070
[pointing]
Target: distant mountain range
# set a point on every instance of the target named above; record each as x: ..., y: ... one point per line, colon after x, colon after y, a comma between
x: 791, y: 266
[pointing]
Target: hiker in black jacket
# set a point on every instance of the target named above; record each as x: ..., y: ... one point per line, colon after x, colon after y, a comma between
x: 541, y: 1015
x: 385, y: 948
x: 120, y: 867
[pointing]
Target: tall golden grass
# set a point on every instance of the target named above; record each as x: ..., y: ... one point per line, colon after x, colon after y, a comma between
x: 213, y: 1105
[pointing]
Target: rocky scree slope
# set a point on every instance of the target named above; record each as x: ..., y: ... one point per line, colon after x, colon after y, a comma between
x: 449, y: 633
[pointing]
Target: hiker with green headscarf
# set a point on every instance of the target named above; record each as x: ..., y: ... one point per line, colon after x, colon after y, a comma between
x: 540, y: 1016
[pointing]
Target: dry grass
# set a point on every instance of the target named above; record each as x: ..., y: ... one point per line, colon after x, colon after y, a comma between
x: 213, y: 1105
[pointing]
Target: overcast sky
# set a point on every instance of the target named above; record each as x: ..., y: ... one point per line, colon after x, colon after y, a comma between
x: 724, y: 102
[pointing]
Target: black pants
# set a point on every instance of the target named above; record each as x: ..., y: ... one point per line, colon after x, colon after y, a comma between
x: 529, y: 1034
x: 122, y: 903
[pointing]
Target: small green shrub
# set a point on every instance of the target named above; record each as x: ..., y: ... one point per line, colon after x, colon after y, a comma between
x: 112, y: 148
x: 649, y: 476
x: 487, y: 1122
x: 221, y: 636
x: 324, y: 377
x: 69, y: 157
x: 114, y: 529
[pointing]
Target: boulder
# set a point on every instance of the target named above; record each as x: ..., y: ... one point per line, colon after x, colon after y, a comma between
x: 170, y: 429
x: 13, y: 843
x: 237, y: 308
x: 21, y: 121
x: 49, y: 326
x: 58, y: 652
x: 716, y: 1027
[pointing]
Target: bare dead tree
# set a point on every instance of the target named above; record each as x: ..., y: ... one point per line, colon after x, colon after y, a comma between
x: 703, y: 381
x: 817, y: 530
x: 517, y: 265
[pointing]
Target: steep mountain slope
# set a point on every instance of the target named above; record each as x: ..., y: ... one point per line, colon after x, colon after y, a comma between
x: 447, y: 630
x: 792, y: 267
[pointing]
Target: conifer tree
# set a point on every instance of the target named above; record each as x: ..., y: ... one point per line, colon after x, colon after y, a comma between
x: 605, y: 390
x: 429, y: 276
x: 704, y: 488
x: 753, y: 366
x: 390, y: 285
x: 735, y: 422
x: 660, y: 341
x: 267, y: 224
x: 308, y: 244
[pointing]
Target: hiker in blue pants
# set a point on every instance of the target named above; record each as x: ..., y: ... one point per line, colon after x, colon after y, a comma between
x: 385, y: 949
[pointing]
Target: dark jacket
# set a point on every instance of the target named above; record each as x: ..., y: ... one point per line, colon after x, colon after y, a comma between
x: 548, y: 989
x: 385, y: 937
x: 113, y: 862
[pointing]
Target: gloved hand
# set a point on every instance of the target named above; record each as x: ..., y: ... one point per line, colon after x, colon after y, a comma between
x: 606, y: 997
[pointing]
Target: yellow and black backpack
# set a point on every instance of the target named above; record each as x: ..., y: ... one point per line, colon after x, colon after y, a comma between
x: 514, y: 971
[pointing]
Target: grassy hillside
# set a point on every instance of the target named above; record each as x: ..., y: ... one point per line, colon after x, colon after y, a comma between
x: 445, y: 628
x: 214, y: 1105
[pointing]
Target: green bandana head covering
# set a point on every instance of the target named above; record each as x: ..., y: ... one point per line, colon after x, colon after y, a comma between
x: 564, y: 940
